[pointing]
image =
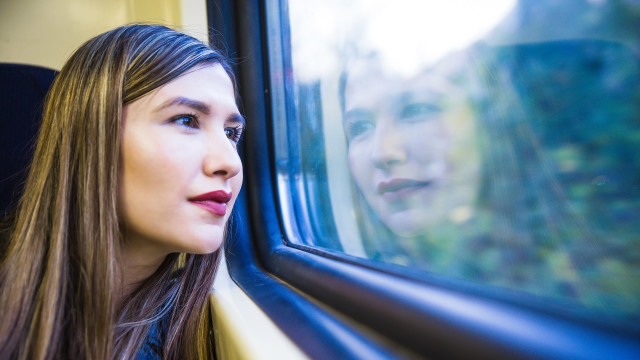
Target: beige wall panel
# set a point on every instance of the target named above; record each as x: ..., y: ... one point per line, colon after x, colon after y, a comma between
x: 46, y: 32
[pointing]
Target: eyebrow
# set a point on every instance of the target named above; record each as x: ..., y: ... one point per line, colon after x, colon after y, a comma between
x: 237, y: 118
x: 356, y: 113
x: 199, y: 106
x: 192, y: 103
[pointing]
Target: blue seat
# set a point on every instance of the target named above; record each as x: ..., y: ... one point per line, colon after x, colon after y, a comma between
x: 22, y: 91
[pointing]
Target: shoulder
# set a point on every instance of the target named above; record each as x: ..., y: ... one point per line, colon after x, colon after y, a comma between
x: 152, y: 347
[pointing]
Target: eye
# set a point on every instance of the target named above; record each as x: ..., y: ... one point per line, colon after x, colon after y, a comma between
x: 234, y: 133
x: 358, y: 122
x: 189, y: 121
x: 418, y: 112
x: 357, y: 128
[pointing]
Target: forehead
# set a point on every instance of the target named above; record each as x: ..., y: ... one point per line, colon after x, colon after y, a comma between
x: 204, y: 80
x: 374, y: 88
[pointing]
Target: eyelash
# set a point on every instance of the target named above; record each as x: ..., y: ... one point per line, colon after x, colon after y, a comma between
x: 235, y: 135
x: 359, y: 127
x: 191, y: 117
x: 419, y: 112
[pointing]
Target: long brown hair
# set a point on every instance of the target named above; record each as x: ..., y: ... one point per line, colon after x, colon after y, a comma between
x: 59, y: 273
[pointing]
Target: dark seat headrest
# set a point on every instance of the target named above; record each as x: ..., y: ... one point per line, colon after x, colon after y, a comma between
x: 22, y: 92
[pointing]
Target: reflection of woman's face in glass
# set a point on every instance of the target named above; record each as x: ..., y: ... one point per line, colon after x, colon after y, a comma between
x: 411, y: 150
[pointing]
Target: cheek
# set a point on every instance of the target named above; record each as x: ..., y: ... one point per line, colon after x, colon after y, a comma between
x: 360, y: 163
x: 460, y: 126
x: 155, y: 173
x: 156, y: 164
x: 428, y: 142
x: 236, y: 185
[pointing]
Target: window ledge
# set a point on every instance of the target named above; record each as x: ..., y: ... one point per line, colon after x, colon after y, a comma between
x: 242, y: 330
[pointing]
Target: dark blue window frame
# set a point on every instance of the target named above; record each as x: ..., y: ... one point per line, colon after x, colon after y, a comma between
x: 402, y: 316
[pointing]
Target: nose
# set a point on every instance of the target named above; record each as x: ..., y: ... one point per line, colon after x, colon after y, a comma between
x: 221, y: 158
x: 388, y: 146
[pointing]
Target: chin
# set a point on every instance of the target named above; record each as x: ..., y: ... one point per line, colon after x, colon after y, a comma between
x: 409, y: 224
x: 203, y: 250
x: 405, y: 231
x: 204, y: 244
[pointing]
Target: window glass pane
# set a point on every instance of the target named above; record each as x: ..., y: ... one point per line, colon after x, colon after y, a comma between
x: 494, y: 142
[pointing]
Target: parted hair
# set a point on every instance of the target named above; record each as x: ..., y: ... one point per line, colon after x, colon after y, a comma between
x: 59, y: 274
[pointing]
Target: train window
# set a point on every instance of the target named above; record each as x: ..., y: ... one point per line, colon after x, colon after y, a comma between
x: 439, y: 179
x: 488, y: 144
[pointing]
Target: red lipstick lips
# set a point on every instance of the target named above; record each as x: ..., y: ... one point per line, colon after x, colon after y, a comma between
x: 215, y: 202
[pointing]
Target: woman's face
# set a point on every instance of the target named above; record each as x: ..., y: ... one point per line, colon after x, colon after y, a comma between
x: 411, y: 150
x: 181, y: 172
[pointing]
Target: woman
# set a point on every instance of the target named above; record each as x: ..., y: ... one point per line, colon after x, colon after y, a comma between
x: 118, y: 233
